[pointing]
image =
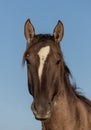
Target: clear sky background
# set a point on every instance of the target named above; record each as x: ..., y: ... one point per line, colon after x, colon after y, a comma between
x: 15, y: 101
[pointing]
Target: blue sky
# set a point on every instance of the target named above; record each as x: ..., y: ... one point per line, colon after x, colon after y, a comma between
x: 15, y: 100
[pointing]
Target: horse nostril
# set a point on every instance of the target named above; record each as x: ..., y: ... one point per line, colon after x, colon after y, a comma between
x: 49, y: 103
x: 33, y: 108
x: 49, y: 108
x: 48, y: 112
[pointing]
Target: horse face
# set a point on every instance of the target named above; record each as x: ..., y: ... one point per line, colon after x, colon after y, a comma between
x: 43, y: 62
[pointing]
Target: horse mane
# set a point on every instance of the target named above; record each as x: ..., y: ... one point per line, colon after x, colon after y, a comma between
x: 74, y: 88
x: 43, y: 37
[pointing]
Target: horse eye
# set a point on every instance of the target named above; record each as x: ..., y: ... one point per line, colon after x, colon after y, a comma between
x: 27, y: 58
x: 27, y: 55
x: 58, y: 61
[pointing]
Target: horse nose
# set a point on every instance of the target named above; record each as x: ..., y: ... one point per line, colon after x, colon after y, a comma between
x: 40, y: 112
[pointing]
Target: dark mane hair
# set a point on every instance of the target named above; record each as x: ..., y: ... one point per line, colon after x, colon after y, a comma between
x: 74, y: 87
x: 43, y: 37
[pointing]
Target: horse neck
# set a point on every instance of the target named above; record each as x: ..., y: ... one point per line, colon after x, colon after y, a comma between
x: 68, y: 91
x: 65, y: 86
x: 66, y: 94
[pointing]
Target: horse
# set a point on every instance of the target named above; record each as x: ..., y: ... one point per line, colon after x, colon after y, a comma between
x: 56, y: 100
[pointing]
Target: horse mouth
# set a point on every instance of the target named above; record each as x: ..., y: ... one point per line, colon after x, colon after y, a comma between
x: 42, y: 118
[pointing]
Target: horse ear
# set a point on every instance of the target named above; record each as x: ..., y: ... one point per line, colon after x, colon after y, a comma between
x: 58, y: 32
x: 29, y: 31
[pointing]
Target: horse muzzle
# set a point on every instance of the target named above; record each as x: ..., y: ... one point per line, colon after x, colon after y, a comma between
x: 40, y: 112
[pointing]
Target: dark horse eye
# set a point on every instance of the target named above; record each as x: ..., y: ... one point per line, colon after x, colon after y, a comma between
x: 27, y: 55
x: 27, y: 58
x: 58, y: 61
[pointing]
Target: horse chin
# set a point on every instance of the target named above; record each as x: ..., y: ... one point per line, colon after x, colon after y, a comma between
x: 42, y: 117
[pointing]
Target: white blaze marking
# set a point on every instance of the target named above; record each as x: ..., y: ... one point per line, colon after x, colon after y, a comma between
x: 43, y: 53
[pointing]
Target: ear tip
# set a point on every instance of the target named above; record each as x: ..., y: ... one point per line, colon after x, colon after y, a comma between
x: 60, y: 22
x: 28, y: 21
